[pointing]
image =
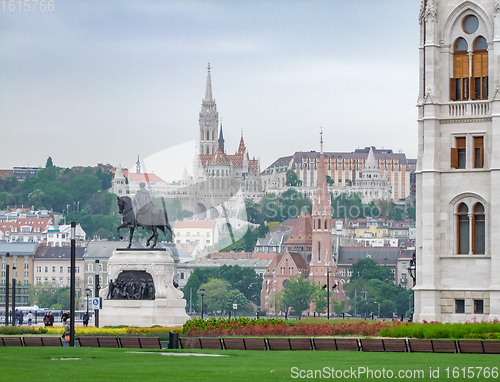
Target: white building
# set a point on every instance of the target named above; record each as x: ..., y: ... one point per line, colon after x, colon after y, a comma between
x: 458, y: 220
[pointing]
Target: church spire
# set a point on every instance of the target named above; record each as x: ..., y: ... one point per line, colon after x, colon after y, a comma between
x: 221, y: 138
x: 208, y: 91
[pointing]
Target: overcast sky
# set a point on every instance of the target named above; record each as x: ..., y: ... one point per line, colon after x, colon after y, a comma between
x: 104, y: 81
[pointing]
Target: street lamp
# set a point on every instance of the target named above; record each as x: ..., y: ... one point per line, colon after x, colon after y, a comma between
x: 97, y: 287
x: 72, y: 286
x: 412, y: 269
x: 14, y: 281
x: 88, y: 291
x: 7, y: 255
x: 202, y: 294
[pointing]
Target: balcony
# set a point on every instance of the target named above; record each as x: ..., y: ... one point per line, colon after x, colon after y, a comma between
x: 469, y: 109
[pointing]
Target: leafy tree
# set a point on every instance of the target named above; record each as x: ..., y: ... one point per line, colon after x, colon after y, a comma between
x: 286, y: 206
x: 49, y: 296
x: 412, y: 211
x: 329, y: 180
x: 216, y: 295
x: 244, y: 280
x: 298, y: 293
x: 367, y: 269
x: 49, y: 162
x: 252, y: 210
x: 386, y: 207
x: 37, y: 199
x: 338, y: 306
x: 397, y: 215
x: 277, y: 300
x: 350, y: 206
x: 236, y: 297
x: 292, y: 179
x: 319, y: 299
x: 6, y: 199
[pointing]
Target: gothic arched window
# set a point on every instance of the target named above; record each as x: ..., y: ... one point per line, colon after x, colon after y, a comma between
x: 478, y: 230
x: 479, y: 80
x: 459, y: 84
x: 463, y: 229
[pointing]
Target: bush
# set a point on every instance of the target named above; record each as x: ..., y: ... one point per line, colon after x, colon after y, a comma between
x: 16, y: 330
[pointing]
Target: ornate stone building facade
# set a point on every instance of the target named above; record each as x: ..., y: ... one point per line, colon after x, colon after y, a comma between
x: 346, y: 171
x: 458, y: 262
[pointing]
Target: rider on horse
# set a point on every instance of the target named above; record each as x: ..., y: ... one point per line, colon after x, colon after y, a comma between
x: 143, y: 206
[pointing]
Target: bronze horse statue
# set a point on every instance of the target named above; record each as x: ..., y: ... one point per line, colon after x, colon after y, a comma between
x: 155, y: 218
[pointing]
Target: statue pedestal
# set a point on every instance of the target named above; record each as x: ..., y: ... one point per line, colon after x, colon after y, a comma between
x: 168, y: 306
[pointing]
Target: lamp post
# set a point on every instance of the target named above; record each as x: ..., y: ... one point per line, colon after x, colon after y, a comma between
x: 88, y: 291
x: 412, y: 269
x: 7, y: 255
x: 14, y: 281
x: 72, y: 286
x: 202, y: 294
x: 97, y: 287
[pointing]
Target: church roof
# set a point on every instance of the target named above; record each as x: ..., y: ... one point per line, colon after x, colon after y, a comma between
x: 241, y: 148
x: 295, y: 257
x: 219, y: 158
x: 302, y: 230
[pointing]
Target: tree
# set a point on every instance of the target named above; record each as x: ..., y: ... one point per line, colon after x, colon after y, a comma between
x: 292, y: 179
x: 50, y: 296
x: 329, y: 180
x: 319, y: 299
x: 216, y: 295
x: 298, y: 292
x: 49, y: 162
x: 386, y: 207
x: 245, y: 280
x: 236, y: 297
x: 367, y: 269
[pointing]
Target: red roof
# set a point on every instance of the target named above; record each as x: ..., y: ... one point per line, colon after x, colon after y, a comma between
x: 264, y: 256
x: 41, y: 223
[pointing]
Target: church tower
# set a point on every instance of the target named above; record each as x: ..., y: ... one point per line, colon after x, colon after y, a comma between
x: 209, y: 121
x: 458, y: 203
x: 321, y: 258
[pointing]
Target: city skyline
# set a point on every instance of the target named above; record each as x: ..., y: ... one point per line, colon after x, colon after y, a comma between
x: 103, y: 82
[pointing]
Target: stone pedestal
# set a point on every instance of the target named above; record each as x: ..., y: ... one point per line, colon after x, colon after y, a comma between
x: 168, y: 307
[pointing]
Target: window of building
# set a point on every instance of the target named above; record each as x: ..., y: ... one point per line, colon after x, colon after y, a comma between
x: 53, y: 269
x: 478, y: 306
x: 459, y: 84
x: 90, y: 280
x: 39, y: 269
x: 90, y: 267
x: 46, y: 269
x: 479, y: 80
x: 463, y: 228
x: 478, y: 230
x: 478, y: 152
x: 342, y: 272
x: 182, y: 275
x: 61, y: 269
x: 77, y: 270
x: 458, y: 153
x: 459, y: 306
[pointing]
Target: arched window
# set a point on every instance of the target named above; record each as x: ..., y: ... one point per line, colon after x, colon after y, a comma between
x: 319, y: 223
x: 319, y: 251
x: 459, y: 84
x: 479, y: 80
x: 478, y: 230
x: 208, y: 135
x: 463, y: 229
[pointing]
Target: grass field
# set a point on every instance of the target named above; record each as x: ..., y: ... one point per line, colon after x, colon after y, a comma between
x: 94, y: 364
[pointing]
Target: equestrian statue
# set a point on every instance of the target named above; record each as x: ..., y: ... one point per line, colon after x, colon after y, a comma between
x: 141, y: 212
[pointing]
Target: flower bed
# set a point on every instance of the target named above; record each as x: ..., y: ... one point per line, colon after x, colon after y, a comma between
x: 278, y: 327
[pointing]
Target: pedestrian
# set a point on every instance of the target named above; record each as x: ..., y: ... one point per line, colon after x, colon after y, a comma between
x: 30, y: 318
x: 20, y: 318
x: 16, y: 317
x: 85, y: 319
x: 46, y: 320
x: 51, y: 319
x: 64, y: 316
x: 67, y: 333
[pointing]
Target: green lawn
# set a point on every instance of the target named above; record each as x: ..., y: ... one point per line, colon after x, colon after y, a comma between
x: 93, y: 364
